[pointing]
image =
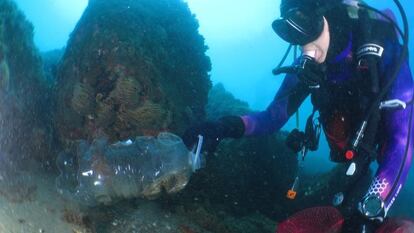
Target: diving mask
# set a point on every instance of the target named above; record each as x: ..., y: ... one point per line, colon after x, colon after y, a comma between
x: 298, y: 26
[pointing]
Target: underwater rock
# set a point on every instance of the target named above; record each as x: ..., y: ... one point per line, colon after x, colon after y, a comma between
x: 51, y: 60
x: 320, y: 189
x: 222, y: 103
x: 149, y: 116
x: 83, y: 98
x: 248, y: 175
x: 244, y: 175
x: 25, y: 123
x: 137, y: 72
x: 151, y: 217
x: 148, y: 217
x: 16, y: 186
x: 5, y: 75
x: 102, y: 173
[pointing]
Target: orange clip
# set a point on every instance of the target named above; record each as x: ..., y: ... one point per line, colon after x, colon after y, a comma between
x: 291, y: 194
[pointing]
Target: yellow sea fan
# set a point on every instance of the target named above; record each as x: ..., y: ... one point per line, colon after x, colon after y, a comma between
x: 148, y: 116
x: 105, y: 113
x: 127, y: 91
x: 83, y: 99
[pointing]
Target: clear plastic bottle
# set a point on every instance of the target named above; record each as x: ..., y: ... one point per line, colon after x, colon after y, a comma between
x: 102, y: 173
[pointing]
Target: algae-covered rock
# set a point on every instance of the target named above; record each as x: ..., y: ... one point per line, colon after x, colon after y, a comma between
x: 245, y: 175
x: 51, y: 61
x: 222, y: 103
x: 248, y: 175
x: 148, y: 217
x: 24, y: 112
x: 132, y: 67
x: 321, y: 189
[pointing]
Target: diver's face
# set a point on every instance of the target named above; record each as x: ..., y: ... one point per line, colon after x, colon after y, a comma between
x: 318, y: 49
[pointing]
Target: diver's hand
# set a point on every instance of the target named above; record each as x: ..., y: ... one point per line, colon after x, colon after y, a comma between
x: 213, y: 132
x: 311, y: 73
x: 210, y: 132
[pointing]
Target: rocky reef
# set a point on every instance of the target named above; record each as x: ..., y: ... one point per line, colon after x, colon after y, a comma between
x: 51, y: 60
x: 132, y: 68
x: 320, y: 189
x: 25, y: 126
x: 244, y: 175
x: 241, y: 189
x: 222, y: 103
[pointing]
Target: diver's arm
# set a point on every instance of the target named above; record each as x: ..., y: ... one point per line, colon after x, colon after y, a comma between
x: 287, y: 100
x: 397, y: 147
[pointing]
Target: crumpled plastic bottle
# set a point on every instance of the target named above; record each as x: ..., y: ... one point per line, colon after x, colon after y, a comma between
x: 102, y: 173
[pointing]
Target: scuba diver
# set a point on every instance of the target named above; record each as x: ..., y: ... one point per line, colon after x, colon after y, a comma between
x: 356, y: 71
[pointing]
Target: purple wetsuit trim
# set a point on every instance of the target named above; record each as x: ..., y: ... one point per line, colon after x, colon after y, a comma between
x: 276, y: 114
x: 389, y: 178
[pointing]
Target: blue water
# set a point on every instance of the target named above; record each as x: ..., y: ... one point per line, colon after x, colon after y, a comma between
x: 242, y: 47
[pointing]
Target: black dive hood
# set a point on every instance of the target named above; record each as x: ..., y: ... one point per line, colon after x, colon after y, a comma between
x: 299, y: 27
x: 301, y: 21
